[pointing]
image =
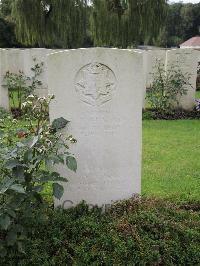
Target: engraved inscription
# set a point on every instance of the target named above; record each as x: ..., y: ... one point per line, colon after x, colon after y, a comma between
x: 100, y: 125
x: 95, y: 84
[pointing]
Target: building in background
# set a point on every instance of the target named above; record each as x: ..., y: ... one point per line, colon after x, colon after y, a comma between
x: 194, y: 42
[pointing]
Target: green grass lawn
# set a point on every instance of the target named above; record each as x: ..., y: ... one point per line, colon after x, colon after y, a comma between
x: 15, y: 101
x: 171, y: 159
x: 198, y: 94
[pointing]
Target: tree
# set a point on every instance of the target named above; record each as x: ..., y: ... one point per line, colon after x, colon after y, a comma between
x: 5, y: 8
x: 182, y: 23
x: 50, y: 23
x: 7, y: 32
x: 67, y: 24
x: 126, y: 22
x: 82, y: 23
x: 7, y: 36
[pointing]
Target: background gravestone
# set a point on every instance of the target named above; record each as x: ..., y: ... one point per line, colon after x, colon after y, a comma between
x: 187, y: 61
x: 4, y: 100
x: 15, y: 60
x: 100, y: 91
x: 35, y: 56
x: 10, y: 60
x: 150, y: 62
x: 151, y: 57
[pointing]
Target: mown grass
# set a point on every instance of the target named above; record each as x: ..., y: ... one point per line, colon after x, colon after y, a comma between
x: 171, y: 164
x: 14, y: 101
x: 198, y: 94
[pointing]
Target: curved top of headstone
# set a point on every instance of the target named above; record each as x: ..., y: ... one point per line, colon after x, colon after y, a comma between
x: 93, y: 71
x: 98, y: 50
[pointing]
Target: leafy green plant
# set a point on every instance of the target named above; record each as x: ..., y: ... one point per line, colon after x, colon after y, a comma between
x: 4, y: 113
x: 178, y: 114
x: 167, y: 87
x: 20, y: 86
x: 27, y: 156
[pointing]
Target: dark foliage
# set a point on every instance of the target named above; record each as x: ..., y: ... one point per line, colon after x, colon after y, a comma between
x: 182, y: 23
x: 134, y: 232
x: 86, y: 28
x: 7, y: 35
x: 150, y: 114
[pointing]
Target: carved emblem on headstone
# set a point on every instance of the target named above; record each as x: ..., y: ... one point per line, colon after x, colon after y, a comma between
x: 95, y: 83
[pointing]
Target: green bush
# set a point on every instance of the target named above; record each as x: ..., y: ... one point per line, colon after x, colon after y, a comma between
x: 152, y: 114
x: 20, y: 86
x: 167, y: 87
x: 4, y: 113
x: 26, y: 158
x: 133, y: 232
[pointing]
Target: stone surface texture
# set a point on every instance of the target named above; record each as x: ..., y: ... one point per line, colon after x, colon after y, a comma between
x: 4, y: 100
x: 150, y: 61
x: 37, y: 56
x: 10, y: 60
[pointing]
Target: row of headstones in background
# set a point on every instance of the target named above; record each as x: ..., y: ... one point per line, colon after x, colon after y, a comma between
x: 15, y: 60
x: 100, y: 91
x: 150, y: 58
x: 188, y: 62
x: 186, y: 59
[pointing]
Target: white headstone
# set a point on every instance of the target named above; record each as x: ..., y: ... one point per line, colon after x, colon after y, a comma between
x: 100, y: 91
x: 15, y: 60
x: 35, y: 56
x: 151, y: 57
x: 187, y: 61
x: 144, y: 74
x: 4, y: 99
x: 11, y: 60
